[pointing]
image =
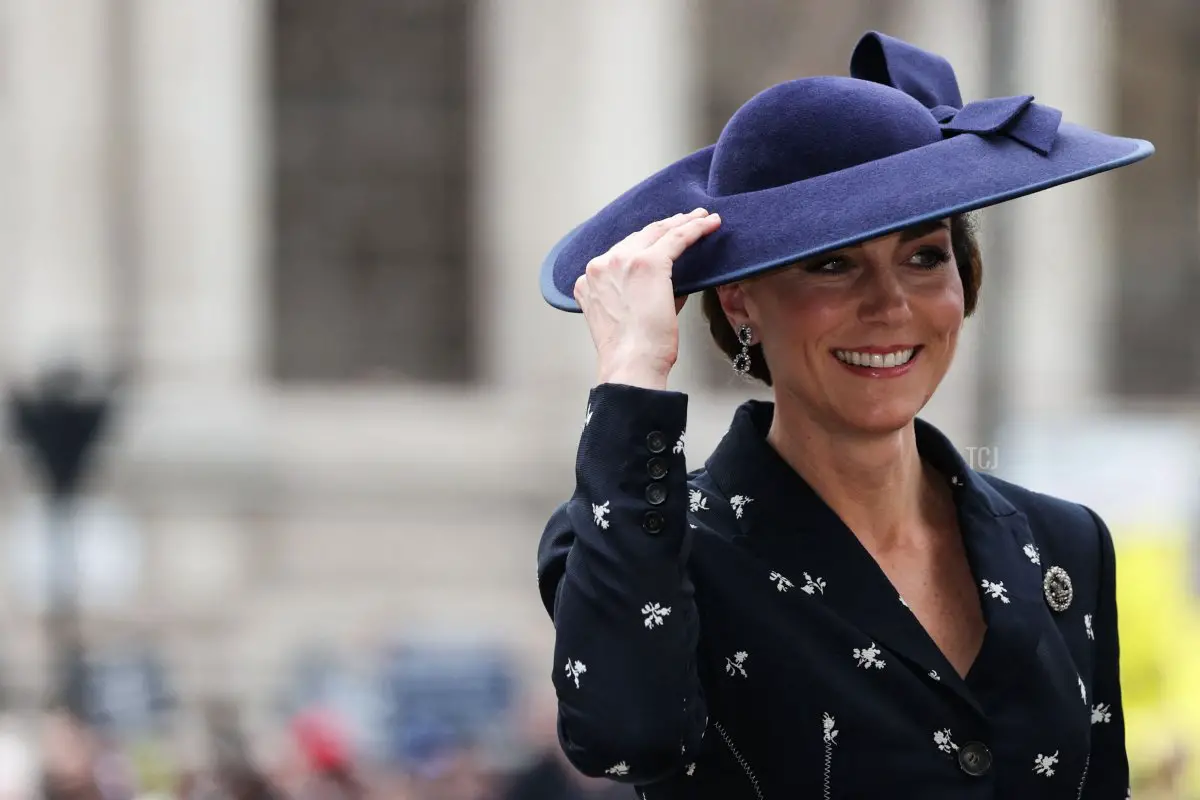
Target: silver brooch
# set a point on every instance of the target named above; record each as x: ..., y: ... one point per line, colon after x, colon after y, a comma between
x: 1057, y: 586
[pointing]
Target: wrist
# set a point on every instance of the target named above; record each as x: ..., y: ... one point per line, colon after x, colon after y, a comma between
x: 641, y: 376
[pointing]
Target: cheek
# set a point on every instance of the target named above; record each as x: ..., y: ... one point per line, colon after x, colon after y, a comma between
x: 803, y: 315
x: 945, y: 309
x: 937, y: 303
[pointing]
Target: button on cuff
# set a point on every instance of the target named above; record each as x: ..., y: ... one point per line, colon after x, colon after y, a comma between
x: 657, y: 468
x: 653, y: 523
x: 656, y: 442
x: 656, y: 494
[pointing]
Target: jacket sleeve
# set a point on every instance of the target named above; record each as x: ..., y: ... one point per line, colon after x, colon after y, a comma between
x: 612, y: 574
x: 1108, y: 766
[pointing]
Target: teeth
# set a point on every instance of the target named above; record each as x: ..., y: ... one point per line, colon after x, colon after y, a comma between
x: 876, y: 360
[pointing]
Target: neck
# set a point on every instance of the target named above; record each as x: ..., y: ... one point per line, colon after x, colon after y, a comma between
x: 875, y: 482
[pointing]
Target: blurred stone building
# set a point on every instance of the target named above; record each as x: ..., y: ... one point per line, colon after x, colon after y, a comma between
x: 311, y: 231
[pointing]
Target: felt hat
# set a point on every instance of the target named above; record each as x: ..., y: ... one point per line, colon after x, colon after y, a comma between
x: 816, y: 164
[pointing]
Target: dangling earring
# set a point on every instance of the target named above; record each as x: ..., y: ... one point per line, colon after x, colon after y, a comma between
x: 741, y: 362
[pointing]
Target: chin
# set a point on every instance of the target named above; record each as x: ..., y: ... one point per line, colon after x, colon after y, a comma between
x: 880, y: 420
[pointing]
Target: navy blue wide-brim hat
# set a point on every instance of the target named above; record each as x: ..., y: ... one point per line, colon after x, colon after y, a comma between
x: 816, y: 164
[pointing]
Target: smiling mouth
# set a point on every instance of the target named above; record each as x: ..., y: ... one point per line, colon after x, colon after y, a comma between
x: 881, y: 359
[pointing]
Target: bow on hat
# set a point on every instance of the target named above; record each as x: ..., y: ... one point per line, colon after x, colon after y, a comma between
x: 930, y: 79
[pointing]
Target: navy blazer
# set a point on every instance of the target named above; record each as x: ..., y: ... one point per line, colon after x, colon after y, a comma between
x: 722, y: 634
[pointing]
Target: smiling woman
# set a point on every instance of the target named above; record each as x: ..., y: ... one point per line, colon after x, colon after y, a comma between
x: 837, y: 604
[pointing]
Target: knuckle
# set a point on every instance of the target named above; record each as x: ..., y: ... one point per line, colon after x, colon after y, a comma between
x: 641, y: 260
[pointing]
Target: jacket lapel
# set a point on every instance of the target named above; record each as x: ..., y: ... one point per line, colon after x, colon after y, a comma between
x: 801, y: 538
x: 1007, y: 571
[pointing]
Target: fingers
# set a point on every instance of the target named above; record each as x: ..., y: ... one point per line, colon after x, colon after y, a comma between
x: 680, y: 237
x: 640, y: 240
x: 581, y: 292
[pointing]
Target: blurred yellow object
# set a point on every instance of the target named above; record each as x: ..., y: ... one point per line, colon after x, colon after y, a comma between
x: 1159, y: 616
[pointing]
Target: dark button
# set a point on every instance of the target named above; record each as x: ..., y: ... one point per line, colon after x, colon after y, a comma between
x: 653, y: 523
x: 656, y: 442
x: 656, y: 494
x: 657, y: 467
x: 974, y: 758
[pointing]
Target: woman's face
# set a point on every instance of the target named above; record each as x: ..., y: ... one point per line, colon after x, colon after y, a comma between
x: 861, y: 337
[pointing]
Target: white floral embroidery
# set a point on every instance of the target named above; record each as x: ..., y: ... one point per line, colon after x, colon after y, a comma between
x: 599, y: 512
x: 692, y: 525
x: 830, y: 737
x: 868, y: 657
x: 944, y: 741
x: 737, y: 666
x: 575, y: 669
x: 933, y: 674
x: 1087, y: 624
x: 691, y: 769
x: 827, y: 722
x: 1044, y: 765
x: 697, y: 501
x: 781, y: 583
x: 903, y: 602
x: 588, y: 416
x: 1101, y: 712
x: 739, y: 501
x: 620, y: 768
x: 679, y: 444
x: 1032, y: 552
x: 813, y: 585
x: 1082, y: 689
x: 654, y: 614
x: 996, y: 591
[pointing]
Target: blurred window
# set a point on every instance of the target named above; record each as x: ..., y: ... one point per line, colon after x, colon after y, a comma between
x: 371, y: 186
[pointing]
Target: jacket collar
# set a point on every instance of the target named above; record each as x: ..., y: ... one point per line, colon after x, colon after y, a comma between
x: 787, y: 523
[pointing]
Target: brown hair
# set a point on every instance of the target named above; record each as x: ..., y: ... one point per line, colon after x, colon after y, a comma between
x: 963, y: 242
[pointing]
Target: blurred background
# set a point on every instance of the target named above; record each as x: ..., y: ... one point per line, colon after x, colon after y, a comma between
x: 287, y: 413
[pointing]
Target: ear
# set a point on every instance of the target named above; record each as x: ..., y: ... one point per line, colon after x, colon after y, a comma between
x: 734, y: 304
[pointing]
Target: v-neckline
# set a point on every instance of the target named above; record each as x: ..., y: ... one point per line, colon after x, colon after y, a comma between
x: 788, y: 524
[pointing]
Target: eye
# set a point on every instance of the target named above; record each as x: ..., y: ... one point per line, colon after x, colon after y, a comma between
x: 930, y: 257
x: 834, y: 265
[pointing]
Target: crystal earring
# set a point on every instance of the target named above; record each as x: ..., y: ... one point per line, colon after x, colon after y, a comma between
x: 741, y: 362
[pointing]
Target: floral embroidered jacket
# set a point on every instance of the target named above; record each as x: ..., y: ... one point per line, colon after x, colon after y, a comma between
x: 722, y: 634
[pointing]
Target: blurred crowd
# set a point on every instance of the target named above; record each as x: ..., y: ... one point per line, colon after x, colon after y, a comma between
x: 62, y: 758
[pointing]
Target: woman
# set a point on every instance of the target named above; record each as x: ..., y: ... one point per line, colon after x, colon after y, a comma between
x: 836, y: 605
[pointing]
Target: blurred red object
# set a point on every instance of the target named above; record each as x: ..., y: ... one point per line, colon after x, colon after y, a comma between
x: 323, y: 743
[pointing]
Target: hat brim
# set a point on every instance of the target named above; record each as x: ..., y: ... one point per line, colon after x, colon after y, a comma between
x: 775, y: 227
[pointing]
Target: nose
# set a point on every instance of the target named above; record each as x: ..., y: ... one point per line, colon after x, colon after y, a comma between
x: 884, y: 297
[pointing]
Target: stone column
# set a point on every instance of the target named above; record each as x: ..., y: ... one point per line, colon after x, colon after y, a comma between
x: 202, y: 101
x: 1062, y: 253
x: 577, y: 102
x: 58, y: 270
x: 196, y: 434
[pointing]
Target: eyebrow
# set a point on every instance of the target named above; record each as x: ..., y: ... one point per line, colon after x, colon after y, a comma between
x: 923, y: 229
x: 906, y: 235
